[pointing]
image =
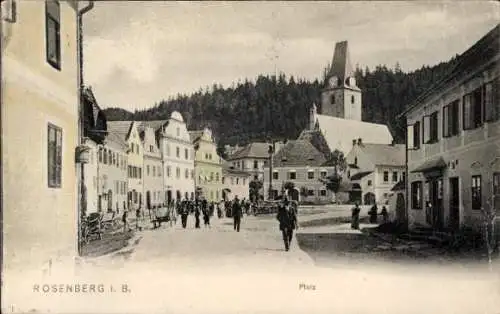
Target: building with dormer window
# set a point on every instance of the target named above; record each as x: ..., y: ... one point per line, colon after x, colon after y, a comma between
x: 153, y: 166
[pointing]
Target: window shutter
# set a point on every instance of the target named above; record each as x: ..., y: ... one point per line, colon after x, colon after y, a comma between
x: 410, y: 136
x: 467, y: 114
x: 427, y: 129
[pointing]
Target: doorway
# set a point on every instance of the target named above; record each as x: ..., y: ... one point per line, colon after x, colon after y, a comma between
x: 454, y: 222
x: 434, y: 213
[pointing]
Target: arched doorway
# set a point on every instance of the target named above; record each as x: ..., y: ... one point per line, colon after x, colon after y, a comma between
x: 369, y: 198
x: 294, y: 194
x: 178, y: 194
x: 186, y: 195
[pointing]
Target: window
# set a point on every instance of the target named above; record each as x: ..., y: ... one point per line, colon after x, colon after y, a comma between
x: 416, y: 195
x: 211, y: 176
x: 310, y: 193
x: 168, y: 171
x: 217, y: 176
x: 178, y: 131
x: 310, y: 175
x: 394, y: 176
x: 237, y: 180
x: 492, y: 101
x: 52, y: 33
x: 323, y: 174
x: 100, y: 154
x: 154, y: 171
x: 348, y: 174
x: 140, y: 173
x: 476, y: 192
x: 177, y: 152
x: 223, y: 180
x: 147, y: 170
x: 414, y: 136
x: 178, y: 172
x: 192, y: 174
x: 369, y: 182
x: 54, y: 157
x: 352, y: 99
x: 332, y: 99
x: 472, y: 110
x: 159, y: 171
x: 186, y: 174
x: 275, y: 175
x: 186, y: 153
x: 292, y: 175
x: 322, y: 192
x: 244, y: 181
x: 255, y: 164
x: 450, y: 119
x: 430, y: 124
x: 403, y: 176
x: 386, y: 176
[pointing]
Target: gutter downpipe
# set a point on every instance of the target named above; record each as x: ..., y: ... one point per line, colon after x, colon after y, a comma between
x: 81, y: 140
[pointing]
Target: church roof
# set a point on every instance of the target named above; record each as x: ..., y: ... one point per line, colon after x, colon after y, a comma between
x: 298, y: 153
x: 339, y: 133
x: 341, y: 63
x: 385, y: 155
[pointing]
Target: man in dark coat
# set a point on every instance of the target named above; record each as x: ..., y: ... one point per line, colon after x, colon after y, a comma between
x: 236, y: 211
x: 197, y: 214
x: 287, y: 220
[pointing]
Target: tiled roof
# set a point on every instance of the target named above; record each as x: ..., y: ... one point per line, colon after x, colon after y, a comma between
x: 385, y: 155
x: 485, y: 49
x: 120, y: 128
x: 255, y: 150
x: 228, y: 168
x: 317, y: 139
x: 359, y: 175
x: 339, y: 132
x: 194, y: 135
x: 298, y: 153
x: 154, y: 124
x: 115, y: 141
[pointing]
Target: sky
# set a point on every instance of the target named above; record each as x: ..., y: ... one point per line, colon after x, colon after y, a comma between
x: 138, y: 53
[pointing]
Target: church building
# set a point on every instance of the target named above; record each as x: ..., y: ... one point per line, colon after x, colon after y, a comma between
x: 341, y: 106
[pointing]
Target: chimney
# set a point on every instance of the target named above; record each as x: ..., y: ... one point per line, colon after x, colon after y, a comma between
x: 354, y: 142
x: 360, y: 142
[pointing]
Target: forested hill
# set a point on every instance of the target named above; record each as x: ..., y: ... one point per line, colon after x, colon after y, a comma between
x: 278, y: 108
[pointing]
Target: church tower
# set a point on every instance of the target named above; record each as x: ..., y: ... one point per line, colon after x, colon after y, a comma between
x: 342, y: 97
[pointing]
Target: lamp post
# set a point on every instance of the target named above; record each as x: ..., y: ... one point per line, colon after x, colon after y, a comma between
x: 271, y: 152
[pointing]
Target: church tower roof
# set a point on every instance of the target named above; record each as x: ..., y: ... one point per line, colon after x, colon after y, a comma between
x: 341, y: 63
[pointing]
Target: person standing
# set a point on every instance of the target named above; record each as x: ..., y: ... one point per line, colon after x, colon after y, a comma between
x: 285, y: 223
x: 197, y: 215
x: 184, y: 213
x: 219, y: 211
x: 137, y: 217
x: 355, y: 216
x: 236, y: 211
x: 206, y: 215
x: 385, y: 214
x: 125, y: 220
x: 373, y: 214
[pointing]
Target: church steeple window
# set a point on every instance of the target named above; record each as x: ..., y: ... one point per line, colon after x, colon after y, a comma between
x: 352, y: 99
x: 332, y: 99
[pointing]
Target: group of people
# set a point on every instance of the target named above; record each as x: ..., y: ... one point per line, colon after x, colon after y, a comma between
x: 373, y: 214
